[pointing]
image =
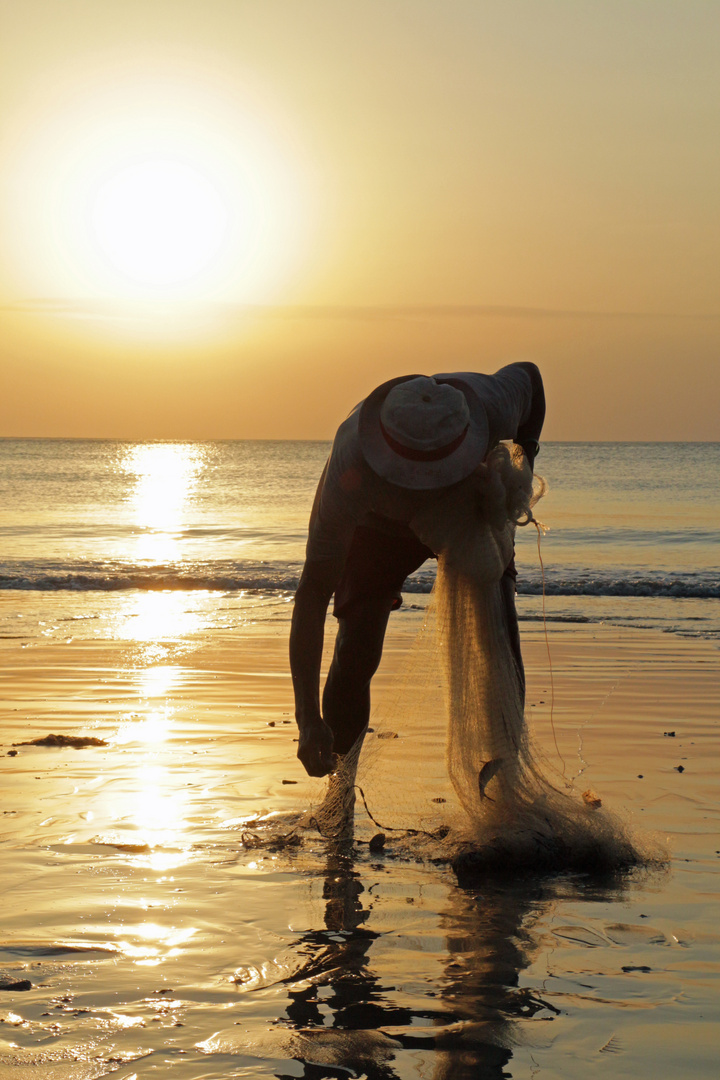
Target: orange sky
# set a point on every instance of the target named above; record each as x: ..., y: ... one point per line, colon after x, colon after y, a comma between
x: 231, y: 219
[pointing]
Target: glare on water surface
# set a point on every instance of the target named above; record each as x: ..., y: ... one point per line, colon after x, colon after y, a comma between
x: 155, y: 682
x: 146, y: 818
x: 157, y: 616
x: 152, y: 728
x: 155, y: 943
x: 164, y: 476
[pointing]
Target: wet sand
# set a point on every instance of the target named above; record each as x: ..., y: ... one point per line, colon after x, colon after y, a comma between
x: 144, y: 938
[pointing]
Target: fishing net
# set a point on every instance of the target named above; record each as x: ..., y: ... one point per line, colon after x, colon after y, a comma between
x: 517, y: 814
x: 497, y: 805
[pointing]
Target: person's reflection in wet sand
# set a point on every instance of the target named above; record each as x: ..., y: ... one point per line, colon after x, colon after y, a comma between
x: 343, y: 1016
x: 343, y: 1026
x: 338, y: 954
x: 490, y: 942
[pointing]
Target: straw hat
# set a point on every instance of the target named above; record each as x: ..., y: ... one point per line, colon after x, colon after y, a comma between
x: 422, y: 432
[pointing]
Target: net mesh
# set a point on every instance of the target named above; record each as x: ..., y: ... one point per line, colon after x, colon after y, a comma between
x: 517, y: 815
x: 490, y: 802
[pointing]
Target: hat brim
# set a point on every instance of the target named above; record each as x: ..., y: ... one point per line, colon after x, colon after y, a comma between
x: 422, y: 475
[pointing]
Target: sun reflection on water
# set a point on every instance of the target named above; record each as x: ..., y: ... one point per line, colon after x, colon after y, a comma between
x: 154, y: 943
x: 158, y: 805
x: 146, y: 818
x: 161, y: 616
x: 155, y: 682
x: 152, y: 806
x: 149, y: 815
x: 152, y: 728
x: 165, y: 476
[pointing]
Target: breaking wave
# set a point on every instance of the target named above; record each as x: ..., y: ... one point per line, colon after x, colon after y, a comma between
x: 584, y: 582
x: 257, y: 579
x: 282, y: 577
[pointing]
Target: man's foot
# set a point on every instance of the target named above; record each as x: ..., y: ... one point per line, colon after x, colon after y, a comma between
x: 336, y: 814
x: 335, y: 817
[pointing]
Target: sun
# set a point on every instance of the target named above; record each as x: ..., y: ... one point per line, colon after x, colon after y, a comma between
x: 160, y: 222
x: 157, y: 188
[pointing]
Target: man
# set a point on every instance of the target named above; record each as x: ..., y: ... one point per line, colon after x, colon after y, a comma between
x: 398, y: 454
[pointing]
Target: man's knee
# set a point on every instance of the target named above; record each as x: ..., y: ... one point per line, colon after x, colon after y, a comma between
x: 360, y: 637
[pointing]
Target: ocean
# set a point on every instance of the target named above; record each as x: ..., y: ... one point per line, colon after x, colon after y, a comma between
x: 165, y: 909
x: 197, y: 536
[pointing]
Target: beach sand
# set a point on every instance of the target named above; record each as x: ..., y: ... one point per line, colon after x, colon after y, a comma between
x: 140, y: 937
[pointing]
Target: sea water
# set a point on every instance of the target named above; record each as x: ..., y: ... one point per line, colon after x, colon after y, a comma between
x: 213, y: 534
x: 146, y: 933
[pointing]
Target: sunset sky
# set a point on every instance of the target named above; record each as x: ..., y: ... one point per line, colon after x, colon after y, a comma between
x: 233, y: 218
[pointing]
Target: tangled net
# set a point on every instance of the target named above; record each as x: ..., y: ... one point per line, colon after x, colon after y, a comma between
x: 517, y: 818
x: 516, y: 815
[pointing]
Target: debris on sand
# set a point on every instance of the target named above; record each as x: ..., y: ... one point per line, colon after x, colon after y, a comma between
x: 20, y: 984
x: 251, y: 840
x: 76, y: 741
x: 590, y: 798
x: 127, y: 849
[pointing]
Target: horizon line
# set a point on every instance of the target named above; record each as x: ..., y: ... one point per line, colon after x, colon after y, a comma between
x: 329, y: 439
x: 99, y: 308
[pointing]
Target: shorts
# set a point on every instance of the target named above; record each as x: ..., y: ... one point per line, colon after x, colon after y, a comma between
x: 376, y: 566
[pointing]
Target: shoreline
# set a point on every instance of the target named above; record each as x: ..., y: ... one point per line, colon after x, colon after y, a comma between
x: 153, y: 939
x: 660, y: 689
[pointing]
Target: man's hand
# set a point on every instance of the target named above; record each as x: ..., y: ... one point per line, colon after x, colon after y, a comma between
x: 317, y: 585
x: 529, y: 432
x: 530, y: 448
x: 315, y: 748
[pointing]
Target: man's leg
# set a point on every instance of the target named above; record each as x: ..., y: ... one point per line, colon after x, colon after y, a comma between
x: 346, y: 704
x: 358, y: 650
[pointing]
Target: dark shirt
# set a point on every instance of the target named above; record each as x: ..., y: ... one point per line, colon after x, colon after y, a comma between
x: 351, y: 494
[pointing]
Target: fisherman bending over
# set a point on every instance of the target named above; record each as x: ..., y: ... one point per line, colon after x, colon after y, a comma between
x: 400, y: 453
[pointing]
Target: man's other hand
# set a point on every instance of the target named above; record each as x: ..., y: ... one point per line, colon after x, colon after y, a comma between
x: 315, y: 749
x: 530, y: 448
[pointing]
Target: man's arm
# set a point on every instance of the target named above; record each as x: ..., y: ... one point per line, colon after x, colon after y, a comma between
x: 334, y: 516
x: 528, y: 434
x: 317, y: 585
